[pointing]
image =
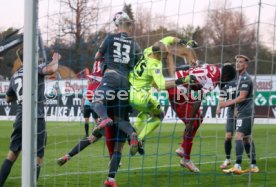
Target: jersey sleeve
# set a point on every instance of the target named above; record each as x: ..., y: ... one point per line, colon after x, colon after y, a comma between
x: 208, y: 86
x: 104, y: 45
x: 157, y: 75
x: 223, y: 91
x: 169, y: 40
x: 137, y: 53
x: 10, y: 92
x: 90, y: 90
x: 229, y: 90
x: 40, y: 68
x: 245, y: 84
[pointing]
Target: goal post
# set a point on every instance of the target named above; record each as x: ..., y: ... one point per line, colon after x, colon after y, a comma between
x: 29, y: 94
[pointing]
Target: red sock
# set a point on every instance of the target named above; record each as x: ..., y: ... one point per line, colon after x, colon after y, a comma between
x: 187, y: 141
x: 109, y: 140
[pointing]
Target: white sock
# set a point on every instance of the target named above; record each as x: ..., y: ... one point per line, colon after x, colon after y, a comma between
x: 185, y: 160
x: 111, y: 179
x: 238, y: 166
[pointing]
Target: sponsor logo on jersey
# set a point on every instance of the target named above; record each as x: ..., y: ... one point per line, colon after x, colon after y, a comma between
x: 157, y: 71
x: 244, y: 85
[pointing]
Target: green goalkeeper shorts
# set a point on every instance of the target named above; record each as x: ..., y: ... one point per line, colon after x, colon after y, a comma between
x: 143, y: 101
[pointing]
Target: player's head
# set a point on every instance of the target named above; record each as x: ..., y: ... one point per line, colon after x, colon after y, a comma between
x: 228, y: 73
x: 122, y: 20
x: 242, y: 63
x: 159, y: 50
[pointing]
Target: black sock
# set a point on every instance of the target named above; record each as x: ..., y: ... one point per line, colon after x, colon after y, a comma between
x: 114, y: 164
x: 79, y: 147
x: 227, y: 148
x: 86, y: 127
x: 37, y: 171
x: 100, y: 109
x: 5, y: 171
x: 239, y: 151
x: 247, y: 150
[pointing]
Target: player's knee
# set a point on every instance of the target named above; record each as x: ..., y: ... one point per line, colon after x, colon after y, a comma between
x: 228, y: 137
x: 86, y: 120
x: 39, y: 161
x: 246, y: 140
x: 92, y: 139
x: 12, y: 156
x: 95, y: 136
x: 239, y: 136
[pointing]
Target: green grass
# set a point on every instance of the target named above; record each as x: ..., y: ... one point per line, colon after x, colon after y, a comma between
x: 159, y: 167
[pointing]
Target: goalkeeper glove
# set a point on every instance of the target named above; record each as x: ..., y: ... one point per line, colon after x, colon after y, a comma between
x: 189, y: 79
x: 190, y: 43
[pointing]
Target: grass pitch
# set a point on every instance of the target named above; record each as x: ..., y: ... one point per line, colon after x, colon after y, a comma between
x: 160, y: 165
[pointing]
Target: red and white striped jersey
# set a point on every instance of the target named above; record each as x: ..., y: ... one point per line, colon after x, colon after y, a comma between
x: 96, y: 71
x: 91, y: 87
x: 207, y: 76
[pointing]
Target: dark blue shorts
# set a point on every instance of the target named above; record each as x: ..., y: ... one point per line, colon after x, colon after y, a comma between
x: 16, y: 137
x: 244, y: 124
x: 230, y: 121
x: 88, y: 111
x: 114, y: 92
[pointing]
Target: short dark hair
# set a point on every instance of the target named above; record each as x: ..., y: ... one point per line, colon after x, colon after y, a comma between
x: 158, y: 47
x: 227, y: 62
x: 228, y: 73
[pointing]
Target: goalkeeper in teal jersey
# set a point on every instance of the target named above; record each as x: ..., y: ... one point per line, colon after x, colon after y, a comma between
x: 146, y: 74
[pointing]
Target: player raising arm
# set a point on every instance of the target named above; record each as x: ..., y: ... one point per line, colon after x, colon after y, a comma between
x: 15, y: 92
x: 147, y: 74
x: 179, y: 47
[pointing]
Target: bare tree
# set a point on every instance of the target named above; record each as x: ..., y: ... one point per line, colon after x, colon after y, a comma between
x: 84, y: 14
x: 226, y: 33
x: 228, y: 27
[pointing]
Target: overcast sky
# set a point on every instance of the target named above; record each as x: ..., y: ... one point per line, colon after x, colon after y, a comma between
x: 12, y: 11
x: 180, y: 11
